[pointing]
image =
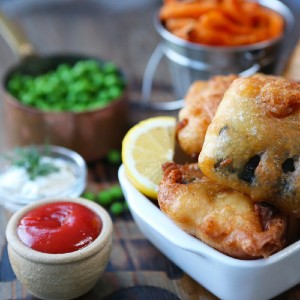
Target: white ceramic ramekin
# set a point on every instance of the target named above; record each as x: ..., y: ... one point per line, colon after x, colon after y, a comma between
x: 224, y: 276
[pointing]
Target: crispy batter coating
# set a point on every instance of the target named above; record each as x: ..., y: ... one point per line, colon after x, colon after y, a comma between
x: 252, y: 144
x: 226, y: 220
x: 201, y: 103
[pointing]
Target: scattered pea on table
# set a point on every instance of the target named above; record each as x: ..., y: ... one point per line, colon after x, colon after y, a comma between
x: 117, y: 208
x: 104, y: 198
x: 111, y: 198
x: 114, y: 156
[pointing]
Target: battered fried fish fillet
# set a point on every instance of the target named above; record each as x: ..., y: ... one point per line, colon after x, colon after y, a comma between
x: 252, y: 144
x: 226, y: 220
x: 200, y: 106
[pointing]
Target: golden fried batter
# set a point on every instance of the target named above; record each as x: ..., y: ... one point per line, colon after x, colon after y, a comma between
x: 226, y: 220
x: 252, y: 144
x: 201, y: 103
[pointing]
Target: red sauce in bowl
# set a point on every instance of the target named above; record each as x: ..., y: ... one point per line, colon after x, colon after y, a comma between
x: 59, y: 227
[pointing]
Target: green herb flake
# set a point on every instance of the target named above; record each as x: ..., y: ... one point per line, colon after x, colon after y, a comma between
x: 30, y: 160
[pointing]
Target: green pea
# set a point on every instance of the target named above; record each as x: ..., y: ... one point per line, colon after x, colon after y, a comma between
x: 80, y: 86
x: 97, y: 79
x: 71, y: 97
x: 111, y: 80
x: 51, y: 99
x: 28, y: 98
x: 79, y: 69
x: 89, y: 196
x: 14, y: 84
x: 110, y: 68
x: 63, y: 68
x: 114, y: 156
x: 117, y: 208
x: 82, y: 97
x: 103, y: 95
x: 114, y: 92
x: 116, y: 192
x: 92, y: 66
x: 66, y: 76
x: 104, y: 198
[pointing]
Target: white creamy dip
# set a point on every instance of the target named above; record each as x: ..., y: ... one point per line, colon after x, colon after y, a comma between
x: 16, y: 183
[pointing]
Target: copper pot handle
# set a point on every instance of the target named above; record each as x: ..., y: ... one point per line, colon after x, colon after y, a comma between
x: 15, y: 38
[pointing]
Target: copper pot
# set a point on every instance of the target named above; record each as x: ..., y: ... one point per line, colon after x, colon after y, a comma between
x: 92, y: 133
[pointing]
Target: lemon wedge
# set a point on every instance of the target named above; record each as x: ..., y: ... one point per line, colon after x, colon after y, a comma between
x: 145, y: 147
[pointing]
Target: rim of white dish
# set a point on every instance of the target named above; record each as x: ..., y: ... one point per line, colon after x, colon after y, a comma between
x: 99, y: 243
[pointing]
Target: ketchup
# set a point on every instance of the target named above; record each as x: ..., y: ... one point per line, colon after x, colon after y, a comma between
x: 59, y: 227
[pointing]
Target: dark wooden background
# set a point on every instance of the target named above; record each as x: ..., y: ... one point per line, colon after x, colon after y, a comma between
x: 121, y: 31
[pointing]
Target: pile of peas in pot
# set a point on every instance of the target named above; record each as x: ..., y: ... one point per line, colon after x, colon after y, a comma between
x: 84, y: 86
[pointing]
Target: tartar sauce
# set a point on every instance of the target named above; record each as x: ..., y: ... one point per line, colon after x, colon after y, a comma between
x: 17, y: 183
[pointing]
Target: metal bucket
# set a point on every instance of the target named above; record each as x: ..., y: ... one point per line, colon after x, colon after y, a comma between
x: 189, y: 62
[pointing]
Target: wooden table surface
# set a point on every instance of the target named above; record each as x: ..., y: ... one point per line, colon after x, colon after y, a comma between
x: 121, y: 31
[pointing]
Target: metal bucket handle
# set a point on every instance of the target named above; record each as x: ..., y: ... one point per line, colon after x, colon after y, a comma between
x: 149, y: 73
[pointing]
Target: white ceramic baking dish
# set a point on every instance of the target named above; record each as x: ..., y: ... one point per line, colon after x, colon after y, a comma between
x: 224, y: 276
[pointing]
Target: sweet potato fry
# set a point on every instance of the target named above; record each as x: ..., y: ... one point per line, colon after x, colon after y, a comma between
x: 275, y: 23
x: 184, y: 10
x: 177, y: 24
x: 240, y: 12
x: 217, y: 20
x: 181, y: 27
x: 206, y: 35
x: 221, y: 22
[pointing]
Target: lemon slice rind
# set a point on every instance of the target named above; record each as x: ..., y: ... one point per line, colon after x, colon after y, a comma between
x: 145, y: 147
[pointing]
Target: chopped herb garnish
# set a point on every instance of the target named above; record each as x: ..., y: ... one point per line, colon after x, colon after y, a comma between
x: 31, y: 161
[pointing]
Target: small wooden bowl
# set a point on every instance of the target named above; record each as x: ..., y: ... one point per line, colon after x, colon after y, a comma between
x: 60, y: 276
